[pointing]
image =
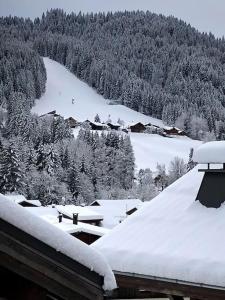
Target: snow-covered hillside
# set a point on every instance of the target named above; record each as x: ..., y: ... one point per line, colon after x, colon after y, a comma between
x: 63, y: 86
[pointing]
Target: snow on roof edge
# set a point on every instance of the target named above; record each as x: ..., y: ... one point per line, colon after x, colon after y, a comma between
x: 57, y: 239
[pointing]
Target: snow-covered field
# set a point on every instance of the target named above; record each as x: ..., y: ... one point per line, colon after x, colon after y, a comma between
x: 150, y: 149
x: 63, y: 86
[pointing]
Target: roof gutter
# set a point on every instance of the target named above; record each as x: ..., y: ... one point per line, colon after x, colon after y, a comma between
x: 169, y: 280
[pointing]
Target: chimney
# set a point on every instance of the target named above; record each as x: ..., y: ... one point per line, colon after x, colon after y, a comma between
x: 60, y: 218
x: 212, y: 190
x: 75, y: 219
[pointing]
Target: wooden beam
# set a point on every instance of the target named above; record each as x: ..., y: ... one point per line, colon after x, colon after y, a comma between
x: 48, y: 268
x: 170, y: 288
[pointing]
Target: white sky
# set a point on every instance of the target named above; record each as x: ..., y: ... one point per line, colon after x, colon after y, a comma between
x: 205, y: 15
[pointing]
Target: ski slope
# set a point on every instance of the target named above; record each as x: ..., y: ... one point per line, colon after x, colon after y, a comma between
x: 62, y: 86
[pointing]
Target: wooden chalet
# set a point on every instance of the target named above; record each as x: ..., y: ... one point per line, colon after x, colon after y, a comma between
x: 150, y: 124
x: 174, y: 131
x: 82, y: 231
x: 96, y: 125
x: 138, y: 127
x: 33, y: 267
x: 175, y: 249
x: 125, y: 130
x: 113, y: 126
x: 85, y: 232
x: 51, y: 113
x: 72, y: 122
x: 83, y: 214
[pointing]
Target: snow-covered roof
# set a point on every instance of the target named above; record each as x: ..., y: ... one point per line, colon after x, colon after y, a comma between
x: 34, y: 202
x: 114, y: 124
x: 70, y: 228
x: 114, y: 211
x: 52, y: 236
x: 50, y: 214
x: 15, y: 198
x: 173, y: 236
x: 135, y: 123
x: 20, y: 198
x: 97, y: 123
x: 211, y: 152
x: 123, y: 203
x: 44, y: 211
x: 84, y: 213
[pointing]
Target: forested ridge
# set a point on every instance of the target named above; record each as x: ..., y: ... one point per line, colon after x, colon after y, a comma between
x: 157, y: 65
x: 154, y: 64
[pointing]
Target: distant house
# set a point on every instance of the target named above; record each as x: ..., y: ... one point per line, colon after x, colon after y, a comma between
x: 84, y: 214
x: 96, y: 125
x: 150, y: 124
x: 21, y: 200
x: 137, y: 127
x: 39, y: 261
x: 153, y: 129
x: 51, y: 113
x: 125, y: 130
x: 115, y: 211
x: 113, y: 126
x: 85, y: 232
x: 72, y: 122
x: 173, y: 131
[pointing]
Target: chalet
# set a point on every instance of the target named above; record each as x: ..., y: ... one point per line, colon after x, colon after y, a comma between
x: 174, y: 131
x: 96, y: 125
x: 153, y: 129
x: 38, y: 261
x: 72, y: 122
x: 115, y: 211
x: 113, y: 126
x: 169, y: 246
x: 84, y: 214
x: 150, y: 124
x: 51, y: 114
x: 125, y: 130
x: 21, y: 200
x: 85, y: 232
x: 137, y: 127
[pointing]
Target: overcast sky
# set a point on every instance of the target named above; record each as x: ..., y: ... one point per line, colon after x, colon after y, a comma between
x: 205, y: 15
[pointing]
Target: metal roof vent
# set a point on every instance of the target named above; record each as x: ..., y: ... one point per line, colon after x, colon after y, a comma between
x: 212, y: 190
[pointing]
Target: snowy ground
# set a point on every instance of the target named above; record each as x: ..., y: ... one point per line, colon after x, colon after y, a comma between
x: 150, y: 149
x: 63, y: 86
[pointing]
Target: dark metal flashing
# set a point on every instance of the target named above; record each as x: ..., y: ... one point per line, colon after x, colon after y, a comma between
x: 49, y: 268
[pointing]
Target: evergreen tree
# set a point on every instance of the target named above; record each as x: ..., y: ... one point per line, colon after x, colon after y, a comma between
x: 11, y: 172
x: 97, y: 119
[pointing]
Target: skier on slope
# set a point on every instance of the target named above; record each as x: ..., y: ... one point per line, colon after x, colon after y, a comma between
x: 73, y: 101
